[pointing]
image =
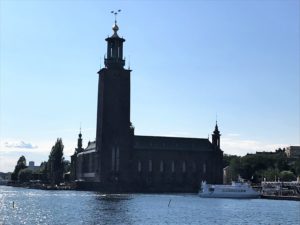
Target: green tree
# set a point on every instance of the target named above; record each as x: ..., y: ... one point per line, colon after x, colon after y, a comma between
x: 296, y: 167
x: 43, y: 172
x: 55, y: 165
x: 21, y: 164
x: 270, y: 174
x: 67, y: 166
x: 287, y: 176
x: 25, y: 175
x: 235, y: 167
x: 227, y: 158
x: 281, y: 161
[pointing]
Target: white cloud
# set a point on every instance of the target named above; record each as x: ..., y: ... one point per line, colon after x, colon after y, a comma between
x: 20, y: 144
x: 11, y: 149
x: 235, y: 145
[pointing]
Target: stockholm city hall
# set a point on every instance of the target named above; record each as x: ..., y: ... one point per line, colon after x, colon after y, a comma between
x: 121, y: 161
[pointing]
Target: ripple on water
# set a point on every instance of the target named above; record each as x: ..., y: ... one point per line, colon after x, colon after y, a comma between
x: 79, y: 207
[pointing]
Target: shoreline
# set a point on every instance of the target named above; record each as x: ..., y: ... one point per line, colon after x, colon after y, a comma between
x: 274, y: 197
x: 72, y: 187
x: 43, y: 186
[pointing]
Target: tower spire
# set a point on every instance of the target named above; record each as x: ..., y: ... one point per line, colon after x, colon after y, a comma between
x: 79, y: 141
x: 115, y: 26
x: 216, y: 136
x: 114, y: 56
x: 116, y: 13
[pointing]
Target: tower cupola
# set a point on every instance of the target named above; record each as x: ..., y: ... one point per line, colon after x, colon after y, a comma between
x: 216, y: 137
x: 114, y: 55
x: 79, y: 142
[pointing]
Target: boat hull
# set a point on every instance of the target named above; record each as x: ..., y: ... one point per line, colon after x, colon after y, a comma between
x: 248, y: 196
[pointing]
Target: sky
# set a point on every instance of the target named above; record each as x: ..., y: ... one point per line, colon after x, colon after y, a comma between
x: 192, y: 62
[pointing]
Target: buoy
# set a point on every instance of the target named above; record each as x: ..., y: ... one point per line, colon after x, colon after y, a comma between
x: 13, y: 204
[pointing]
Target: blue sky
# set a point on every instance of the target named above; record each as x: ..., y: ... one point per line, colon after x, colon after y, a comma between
x: 190, y: 61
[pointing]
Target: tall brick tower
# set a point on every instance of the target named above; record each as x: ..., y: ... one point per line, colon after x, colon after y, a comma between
x: 114, y: 138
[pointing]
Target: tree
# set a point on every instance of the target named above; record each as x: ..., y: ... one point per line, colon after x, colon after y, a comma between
x: 270, y: 174
x: 67, y: 166
x: 55, y: 165
x: 287, y: 176
x: 227, y: 159
x: 296, y: 167
x: 25, y: 175
x: 235, y: 167
x: 43, y: 172
x: 21, y: 164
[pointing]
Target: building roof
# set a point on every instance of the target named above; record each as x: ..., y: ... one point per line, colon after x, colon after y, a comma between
x: 172, y: 143
x: 91, y: 146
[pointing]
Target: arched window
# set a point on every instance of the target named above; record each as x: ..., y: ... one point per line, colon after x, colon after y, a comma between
x: 112, y: 49
x: 161, y: 166
x: 183, y: 166
x: 173, y: 166
x: 150, y: 165
x: 139, y: 166
x: 204, y: 168
x: 113, y: 155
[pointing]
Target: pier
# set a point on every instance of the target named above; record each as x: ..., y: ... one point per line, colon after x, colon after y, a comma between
x: 281, y: 190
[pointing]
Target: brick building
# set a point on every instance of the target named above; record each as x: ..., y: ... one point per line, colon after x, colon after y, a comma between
x: 121, y: 161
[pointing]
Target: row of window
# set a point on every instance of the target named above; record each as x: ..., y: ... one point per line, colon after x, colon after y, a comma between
x: 163, y: 165
x: 111, y: 52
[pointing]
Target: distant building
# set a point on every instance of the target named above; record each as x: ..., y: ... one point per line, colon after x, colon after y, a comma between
x: 121, y: 161
x: 292, y: 151
x: 32, y: 167
x: 227, y: 176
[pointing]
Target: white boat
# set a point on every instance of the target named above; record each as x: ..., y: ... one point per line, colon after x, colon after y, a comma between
x: 235, y: 190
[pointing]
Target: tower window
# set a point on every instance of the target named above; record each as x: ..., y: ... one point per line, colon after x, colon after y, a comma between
x: 113, y: 155
x: 173, y: 166
x: 150, y: 165
x: 139, y: 166
x: 161, y: 166
x: 183, y: 166
x: 204, y: 168
x: 117, y: 159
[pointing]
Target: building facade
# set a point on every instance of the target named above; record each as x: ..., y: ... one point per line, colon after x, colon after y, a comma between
x: 292, y: 151
x: 120, y: 161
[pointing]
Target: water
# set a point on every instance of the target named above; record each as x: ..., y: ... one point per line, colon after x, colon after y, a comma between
x: 81, y: 207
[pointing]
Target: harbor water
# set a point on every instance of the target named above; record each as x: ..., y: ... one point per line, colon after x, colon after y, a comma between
x: 30, y: 206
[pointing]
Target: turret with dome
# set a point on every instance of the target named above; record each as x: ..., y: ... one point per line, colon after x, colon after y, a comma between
x: 114, y: 55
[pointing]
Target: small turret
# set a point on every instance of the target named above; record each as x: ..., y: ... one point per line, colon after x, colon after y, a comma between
x: 79, y: 142
x: 216, y: 137
x: 74, y: 156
